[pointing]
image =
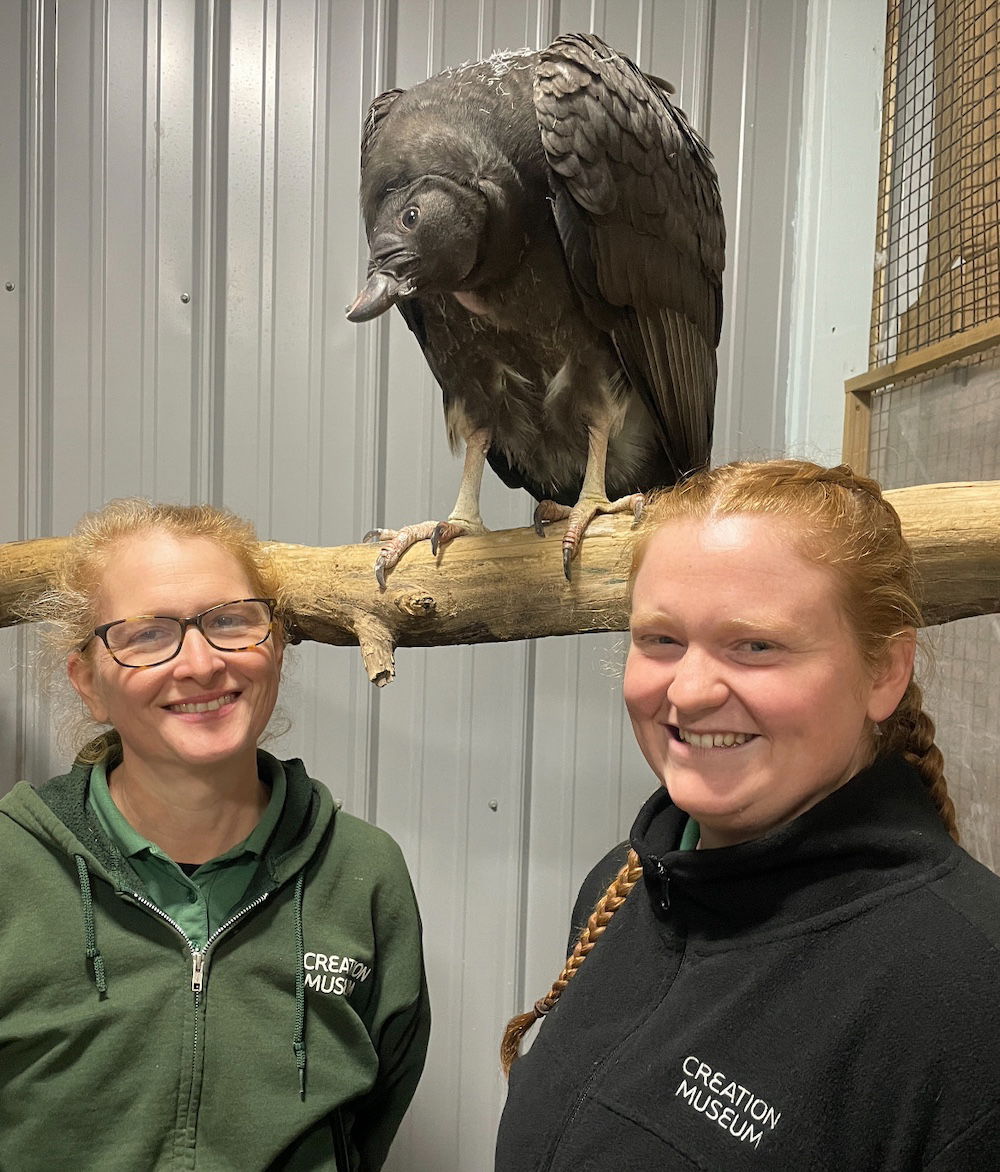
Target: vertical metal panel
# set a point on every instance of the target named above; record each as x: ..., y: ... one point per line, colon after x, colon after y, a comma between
x: 26, y: 402
x: 249, y: 194
x: 755, y: 125
x: 680, y: 37
x: 13, y: 22
x: 76, y: 284
x: 173, y: 86
x: 829, y: 320
x: 178, y: 147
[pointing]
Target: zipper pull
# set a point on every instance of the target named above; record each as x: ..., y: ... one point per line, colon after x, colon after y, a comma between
x: 664, y: 878
x: 197, y: 971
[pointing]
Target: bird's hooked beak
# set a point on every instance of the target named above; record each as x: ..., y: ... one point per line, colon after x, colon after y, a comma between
x: 381, y: 292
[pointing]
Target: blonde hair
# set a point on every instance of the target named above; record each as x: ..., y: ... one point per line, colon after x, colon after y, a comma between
x: 839, y: 520
x: 68, y: 610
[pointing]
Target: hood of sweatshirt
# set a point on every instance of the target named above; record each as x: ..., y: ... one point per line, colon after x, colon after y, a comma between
x: 880, y: 829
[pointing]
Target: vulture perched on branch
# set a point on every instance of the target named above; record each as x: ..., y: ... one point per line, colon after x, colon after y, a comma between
x: 550, y: 227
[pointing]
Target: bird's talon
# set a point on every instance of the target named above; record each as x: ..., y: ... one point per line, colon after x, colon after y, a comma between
x: 446, y: 531
x: 374, y: 535
x: 380, y: 568
x: 548, y: 511
x: 567, y: 562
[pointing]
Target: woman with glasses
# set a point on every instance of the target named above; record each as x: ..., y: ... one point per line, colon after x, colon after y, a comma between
x: 203, y: 961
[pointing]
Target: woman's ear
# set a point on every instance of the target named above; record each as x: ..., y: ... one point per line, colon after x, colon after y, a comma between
x: 83, y: 676
x: 894, y: 678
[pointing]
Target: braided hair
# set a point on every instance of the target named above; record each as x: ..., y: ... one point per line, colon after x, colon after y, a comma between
x: 840, y: 520
x: 600, y: 917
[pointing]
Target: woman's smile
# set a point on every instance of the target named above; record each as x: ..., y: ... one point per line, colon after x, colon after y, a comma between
x: 710, y: 740
x: 204, y: 705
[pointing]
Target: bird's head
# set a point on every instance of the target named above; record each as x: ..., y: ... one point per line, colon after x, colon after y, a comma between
x: 424, y: 238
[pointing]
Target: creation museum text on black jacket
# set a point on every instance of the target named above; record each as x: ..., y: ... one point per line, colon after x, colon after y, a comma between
x: 826, y: 997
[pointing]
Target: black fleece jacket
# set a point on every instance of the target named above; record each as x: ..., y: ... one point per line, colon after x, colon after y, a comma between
x: 826, y: 997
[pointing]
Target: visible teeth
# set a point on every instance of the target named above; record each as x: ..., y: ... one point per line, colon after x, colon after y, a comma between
x: 208, y: 706
x: 714, y: 740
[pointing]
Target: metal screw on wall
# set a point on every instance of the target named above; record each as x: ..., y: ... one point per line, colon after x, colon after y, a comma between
x: 185, y: 297
x: 9, y: 286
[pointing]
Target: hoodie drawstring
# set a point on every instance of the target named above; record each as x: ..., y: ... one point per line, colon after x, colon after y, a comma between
x: 298, y: 1042
x: 89, y: 931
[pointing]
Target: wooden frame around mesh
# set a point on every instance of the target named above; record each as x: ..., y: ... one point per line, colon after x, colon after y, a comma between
x: 936, y: 296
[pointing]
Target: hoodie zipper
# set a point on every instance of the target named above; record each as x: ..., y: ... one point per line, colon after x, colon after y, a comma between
x: 198, y: 958
x: 198, y: 955
x: 197, y: 975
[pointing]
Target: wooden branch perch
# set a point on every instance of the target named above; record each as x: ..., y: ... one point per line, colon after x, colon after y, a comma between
x: 510, y: 585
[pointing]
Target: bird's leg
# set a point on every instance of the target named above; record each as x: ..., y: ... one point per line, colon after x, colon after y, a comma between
x: 593, y: 498
x: 464, y: 517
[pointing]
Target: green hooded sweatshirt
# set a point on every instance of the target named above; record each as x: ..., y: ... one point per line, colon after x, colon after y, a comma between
x: 294, y: 1040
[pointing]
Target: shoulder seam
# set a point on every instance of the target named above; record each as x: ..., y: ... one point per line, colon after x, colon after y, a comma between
x: 993, y: 944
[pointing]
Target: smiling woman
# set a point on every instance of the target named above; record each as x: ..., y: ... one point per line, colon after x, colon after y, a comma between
x: 793, y: 907
x: 192, y: 874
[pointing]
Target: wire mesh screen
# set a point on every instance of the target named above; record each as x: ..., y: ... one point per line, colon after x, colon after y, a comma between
x: 937, y: 274
x: 937, y: 269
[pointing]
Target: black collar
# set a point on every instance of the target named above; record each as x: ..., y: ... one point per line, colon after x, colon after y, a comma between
x: 877, y: 830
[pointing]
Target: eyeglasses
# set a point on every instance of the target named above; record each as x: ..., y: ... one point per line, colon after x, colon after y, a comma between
x: 147, y: 640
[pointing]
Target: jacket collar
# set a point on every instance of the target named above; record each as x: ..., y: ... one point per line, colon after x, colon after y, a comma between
x: 877, y: 830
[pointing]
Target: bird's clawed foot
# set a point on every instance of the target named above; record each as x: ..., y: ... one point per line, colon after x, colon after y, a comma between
x: 580, y: 516
x: 395, y: 542
x: 546, y: 511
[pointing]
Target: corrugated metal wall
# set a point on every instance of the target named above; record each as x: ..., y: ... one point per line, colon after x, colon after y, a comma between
x: 180, y: 234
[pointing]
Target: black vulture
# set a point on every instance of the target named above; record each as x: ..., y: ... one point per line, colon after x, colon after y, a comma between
x: 550, y: 227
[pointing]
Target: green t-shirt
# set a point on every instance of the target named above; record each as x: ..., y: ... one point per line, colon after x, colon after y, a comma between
x: 199, y: 902
x: 690, y: 836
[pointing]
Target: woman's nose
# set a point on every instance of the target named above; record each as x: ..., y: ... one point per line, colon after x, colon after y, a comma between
x: 197, y: 656
x: 698, y: 683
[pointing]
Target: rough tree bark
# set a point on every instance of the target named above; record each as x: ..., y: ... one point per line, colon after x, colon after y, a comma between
x: 509, y: 585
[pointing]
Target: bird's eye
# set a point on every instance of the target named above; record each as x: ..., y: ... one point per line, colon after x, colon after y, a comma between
x: 409, y: 217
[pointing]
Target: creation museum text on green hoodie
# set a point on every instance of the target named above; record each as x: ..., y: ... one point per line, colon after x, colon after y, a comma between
x: 293, y: 1040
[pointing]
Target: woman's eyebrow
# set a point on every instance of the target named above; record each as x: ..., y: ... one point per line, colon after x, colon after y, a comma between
x: 648, y: 618
x: 763, y: 624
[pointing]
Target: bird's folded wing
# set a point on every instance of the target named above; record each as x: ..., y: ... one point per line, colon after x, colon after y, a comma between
x: 637, y: 205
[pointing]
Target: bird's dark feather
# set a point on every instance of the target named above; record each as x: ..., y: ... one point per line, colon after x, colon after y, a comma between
x: 376, y: 112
